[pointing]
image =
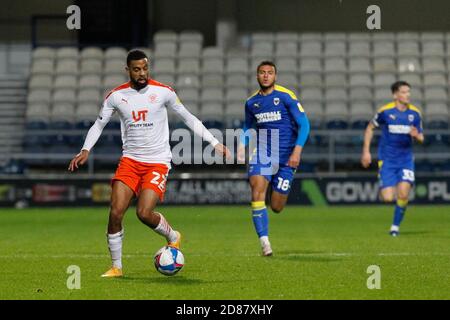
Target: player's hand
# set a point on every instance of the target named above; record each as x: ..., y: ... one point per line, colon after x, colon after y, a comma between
x: 220, y: 148
x: 366, y: 159
x: 414, y: 132
x: 241, y: 154
x: 79, y: 159
x: 294, y: 159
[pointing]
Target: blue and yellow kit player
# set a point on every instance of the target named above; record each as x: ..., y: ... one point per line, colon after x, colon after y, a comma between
x: 400, y: 124
x: 282, y: 129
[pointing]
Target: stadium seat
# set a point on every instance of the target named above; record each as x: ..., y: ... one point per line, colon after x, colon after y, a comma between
x: 414, y: 79
x: 43, y: 53
x: 336, y: 94
x: 165, y: 50
x: 311, y: 94
x: 359, y: 65
x: 236, y: 95
x: 37, y: 116
x: 62, y: 117
x: 89, y: 95
x: 112, y: 81
x: 237, y: 65
x: 92, y: 66
x: 286, y: 65
x: 70, y: 53
x: 86, y: 114
x: 433, y: 65
x: 40, y: 81
x: 310, y: 79
x: 95, y: 53
x: 432, y: 94
x: 66, y: 66
x: 213, y: 52
x: 188, y: 65
x: 288, y: 80
x: 335, y: 37
x: 359, y: 49
x: 191, y: 36
x: 164, y: 65
x: 262, y: 50
x: 188, y: 95
x: 409, y: 64
x: 310, y: 49
x: 432, y: 36
x: 407, y: 36
x: 165, y: 36
x: 335, y: 65
x: 189, y: 50
x: 90, y: 81
x: 234, y: 115
x: 435, y: 79
x: 361, y: 112
x: 337, y: 116
x: 336, y: 48
x: 237, y: 81
x: 384, y: 64
x: 315, y: 113
x: 116, y: 53
x: 213, y: 65
x: 39, y: 95
x: 213, y: 80
x: 286, y: 49
x: 114, y: 66
x: 65, y: 82
x: 63, y: 96
x: 433, y: 49
x: 187, y: 81
x: 383, y: 49
x: 42, y: 66
x: 335, y: 79
x: 408, y: 48
x: 211, y: 95
x: 360, y: 80
x: 212, y: 114
x: 384, y: 79
x: 360, y: 93
x: 310, y: 65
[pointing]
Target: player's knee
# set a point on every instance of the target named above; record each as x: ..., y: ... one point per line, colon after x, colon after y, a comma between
x: 143, y: 213
x: 277, y: 208
x: 258, y: 195
x: 117, y: 211
x: 388, y: 198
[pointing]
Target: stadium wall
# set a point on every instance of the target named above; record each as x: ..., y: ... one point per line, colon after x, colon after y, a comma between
x: 309, y: 191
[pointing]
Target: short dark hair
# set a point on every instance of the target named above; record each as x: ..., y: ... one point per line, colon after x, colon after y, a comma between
x: 396, y: 85
x: 135, y: 55
x: 266, y: 63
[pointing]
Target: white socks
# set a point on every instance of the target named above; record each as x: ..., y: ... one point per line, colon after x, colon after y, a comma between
x: 165, y: 229
x: 264, y: 241
x: 115, y: 248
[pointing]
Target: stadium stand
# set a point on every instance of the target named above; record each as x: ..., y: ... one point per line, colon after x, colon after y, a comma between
x: 341, y: 79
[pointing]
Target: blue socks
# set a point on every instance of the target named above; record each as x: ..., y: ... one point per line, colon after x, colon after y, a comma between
x: 260, y: 218
x: 399, y: 211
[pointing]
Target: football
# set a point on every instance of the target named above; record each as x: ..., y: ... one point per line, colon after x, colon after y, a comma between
x: 168, y: 260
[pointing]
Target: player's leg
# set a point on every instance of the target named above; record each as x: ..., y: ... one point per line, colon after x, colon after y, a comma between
x: 388, y: 194
x: 120, y: 200
x: 153, y: 186
x: 258, y: 185
x: 281, y: 186
x: 403, y: 189
x: 405, y: 177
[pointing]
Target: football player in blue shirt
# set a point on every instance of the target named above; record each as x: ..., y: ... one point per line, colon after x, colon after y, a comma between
x: 282, y: 129
x: 400, y: 124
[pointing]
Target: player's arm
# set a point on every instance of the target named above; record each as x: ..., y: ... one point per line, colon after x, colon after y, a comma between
x: 195, y: 124
x: 366, y: 157
x: 417, y: 131
x: 93, y: 134
x: 297, y: 111
x: 244, y: 138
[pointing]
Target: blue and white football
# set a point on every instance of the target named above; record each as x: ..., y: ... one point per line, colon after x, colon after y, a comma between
x: 168, y: 260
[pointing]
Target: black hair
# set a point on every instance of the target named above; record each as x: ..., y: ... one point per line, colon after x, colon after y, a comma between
x: 396, y: 85
x: 135, y: 55
x: 266, y: 63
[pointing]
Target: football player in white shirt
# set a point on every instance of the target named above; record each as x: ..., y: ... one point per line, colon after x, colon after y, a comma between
x: 142, y: 172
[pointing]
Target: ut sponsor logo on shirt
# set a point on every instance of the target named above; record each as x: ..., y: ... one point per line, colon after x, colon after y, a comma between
x: 399, y: 129
x: 139, y: 115
x: 268, y: 116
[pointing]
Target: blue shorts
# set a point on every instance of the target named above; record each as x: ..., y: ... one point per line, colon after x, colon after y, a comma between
x: 280, y: 177
x: 390, y: 174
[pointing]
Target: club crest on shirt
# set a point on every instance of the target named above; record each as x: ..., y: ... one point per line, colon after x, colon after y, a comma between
x: 276, y: 101
x: 153, y: 98
x: 411, y: 117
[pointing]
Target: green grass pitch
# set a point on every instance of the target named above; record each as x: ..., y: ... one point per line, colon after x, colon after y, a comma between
x: 319, y: 253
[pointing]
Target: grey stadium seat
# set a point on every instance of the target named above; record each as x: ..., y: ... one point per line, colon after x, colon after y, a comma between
x: 213, y: 80
x: 361, y: 93
x: 92, y: 53
x: 213, y: 65
x: 42, y: 66
x: 310, y: 49
x: 360, y: 79
x: 236, y: 95
x: 91, y: 66
x: 310, y: 36
x: 63, y: 96
x: 43, y: 53
x: 89, y: 96
x: 237, y: 65
x: 286, y: 36
x: 384, y: 64
x: 286, y: 65
x: 336, y: 64
x: 41, y: 81
x: 165, y: 36
x: 435, y: 94
x: 213, y: 52
x: 359, y: 65
x: 310, y: 79
x: 67, y: 66
x: 39, y: 96
x: 383, y: 36
x: 187, y: 81
x: 311, y: 94
x: 87, y: 111
x: 433, y: 65
x: 409, y: 64
x: 116, y: 53
x: 335, y: 49
x: 407, y: 36
x: 65, y: 82
x: 336, y: 94
x: 192, y: 36
x: 414, y: 79
x: 286, y: 50
x: 189, y: 50
x: 166, y: 78
x: 237, y: 81
x: 63, y: 111
x: 335, y: 36
x: 67, y: 53
x: 39, y: 111
x: 288, y: 80
x: 90, y: 81
x: 383, y: 49
x: 432, y: 36
x: 359, y: 49
x: 165, y: 50
x: 384, y: 79
x: 408, y: 49
x: 209, y: 95
x: 310, y: 65
x: 335, y: 79
x: 164, y: 66
x: 112, y: 81
x: 433, y: 49
x: 188, y: 65
x: 189, y: 95
x: 262, y: 50
x: 114, y: 66
x: 435, y: 79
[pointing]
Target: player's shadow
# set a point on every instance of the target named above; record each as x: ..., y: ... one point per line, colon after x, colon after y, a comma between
x: 306, y: 256
x: 414, y: 233
x: 178, y: 280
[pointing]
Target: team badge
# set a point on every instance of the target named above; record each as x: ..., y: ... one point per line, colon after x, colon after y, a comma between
x: 153, y: 98
x: 411, y: 117
x: 276, y: 101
